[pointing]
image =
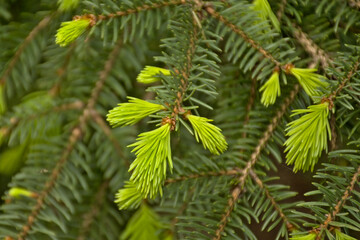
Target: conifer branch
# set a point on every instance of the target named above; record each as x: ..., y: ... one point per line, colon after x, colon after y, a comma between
x: 182, y: 209
x: 6, y: 130
x: 339, y: 205
x: 333, y: 132
x: 276, y: 206
x: 343, y: 83
x: 212, y: 12
x: 41, y: 25
x: 203, y: 174
x: 281, y: 10
x: 144, y: 7
x: 254, y: 157
x: 89, y: 217
x: 318, y: 54
x: 74, y: 137
x: 184, y: 74
x: 107, y: 131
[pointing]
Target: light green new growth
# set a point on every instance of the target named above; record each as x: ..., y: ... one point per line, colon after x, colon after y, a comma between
x: 70, y: 31
x: 308, y: 136
x: 271, y: 90
x: 263, y: 7
x: 149, y: 74
x: 143, y: 225
x: 149, y: 168
x: 65, y: 5
x: 209, y: 134
x: 132, y: 112
x: 310, y: 81
x: 311, y: 236
x: 129, y: 197
x: 342, y: 236
x: 19, y: 192
x: 2, y: 100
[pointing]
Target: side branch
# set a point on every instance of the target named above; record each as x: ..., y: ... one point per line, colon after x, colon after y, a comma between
x: 281, y: 10
x: 258, y: 181
x: 240, y: 32
x: 41, y: 25
x: 74, y: 137
x: 254, y: 157
x: 339, y: 205
x: 318, y: 54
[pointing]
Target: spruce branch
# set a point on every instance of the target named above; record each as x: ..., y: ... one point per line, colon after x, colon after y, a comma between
x: 235, y: 193
x: 37, y: 29
x: 250, y: 104
x: 318, y: 54
x: 343, y: 83
x: 90, y: 216
x: 276, y: 206
x: 339, y: 205
x: 74, y: 137
x: 212, y: 12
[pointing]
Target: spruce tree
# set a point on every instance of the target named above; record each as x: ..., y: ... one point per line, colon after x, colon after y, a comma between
x: 179, y: 119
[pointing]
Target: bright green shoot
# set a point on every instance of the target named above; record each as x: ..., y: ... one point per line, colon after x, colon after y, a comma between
x: 71, y: 30
x: 150, y: 74
x: 310, y: 236
x: 152, y: 151
x: 313, y: 83
x: 342, y: 236
x: 265, y: 11
x: 308, y: 136
x: 209, y: 134
x: 129, y: 197
x: 271, y: 90
x: 132, y: 112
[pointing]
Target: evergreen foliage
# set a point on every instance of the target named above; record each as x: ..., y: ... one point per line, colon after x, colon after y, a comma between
x: 268, y: 87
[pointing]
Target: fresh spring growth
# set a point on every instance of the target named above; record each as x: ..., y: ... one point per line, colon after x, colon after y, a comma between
x: 308, y: 136
x: 65, y: 5
x: 310, y: 81
x: 342, y: 236
x: 132, y: 112
x: 310, y: 236
x: 271, y: 90
x: 152, y: 149
x: 20, y: 192
x: 71, y: 30
x: 150, y: 74
x: 209, y: 134
x: 129, y: 197
x: 143, y: 225
x: 2, y: 100
x: 265, y: 11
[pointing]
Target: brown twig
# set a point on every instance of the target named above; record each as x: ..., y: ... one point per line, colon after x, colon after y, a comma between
x: 74, y: 137
x: 144, y: 7
x: 339, y: 205
x: 254, y: 157
x: 250, y: 104
x: 89, y: 217
x: 318, y: 54
x: 212, y: 12
x: 41, y: 25
x: 258, y: 181
x: 354, y: 3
